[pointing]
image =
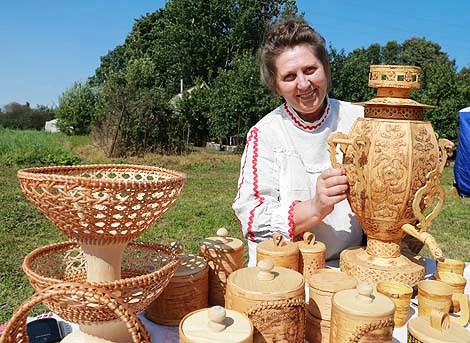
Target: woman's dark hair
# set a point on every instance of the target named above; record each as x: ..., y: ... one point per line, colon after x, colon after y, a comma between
x: 286, y: 35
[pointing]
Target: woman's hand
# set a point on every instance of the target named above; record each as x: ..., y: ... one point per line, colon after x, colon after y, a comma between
x: 332, y: 185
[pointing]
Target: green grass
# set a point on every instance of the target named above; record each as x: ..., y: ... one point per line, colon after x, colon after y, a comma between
x: 203, y: 207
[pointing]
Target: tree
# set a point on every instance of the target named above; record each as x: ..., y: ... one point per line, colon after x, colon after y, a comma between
x: 350, y: 74
x: 76, y: 110
x: 238, y: 100
x: 135, y: 114
x: 23, y: 117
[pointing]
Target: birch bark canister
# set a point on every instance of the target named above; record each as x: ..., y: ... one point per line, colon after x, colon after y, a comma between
x: 282, y: 253
x: 186, y: 292
x: 224, y: 255
x: 273, y: 298
x: 359, y: 315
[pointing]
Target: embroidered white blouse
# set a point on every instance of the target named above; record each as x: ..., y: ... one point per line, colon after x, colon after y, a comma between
x: 282, y: 159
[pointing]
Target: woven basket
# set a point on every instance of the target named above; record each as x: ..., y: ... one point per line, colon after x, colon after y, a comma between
x: 73, y: 294
x: 101, y: 204
x: 146, y: 270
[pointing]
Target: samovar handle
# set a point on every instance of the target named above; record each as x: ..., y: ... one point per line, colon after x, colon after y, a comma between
x: 444, y: 146
x: 337, y: 138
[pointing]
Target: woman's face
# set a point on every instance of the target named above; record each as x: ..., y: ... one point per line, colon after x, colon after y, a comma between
x: 301, y: 81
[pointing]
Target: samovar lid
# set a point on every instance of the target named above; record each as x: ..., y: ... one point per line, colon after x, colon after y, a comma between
x: 190, y: 265
x: 216, y: 324
x: 278, y: 246
x: 437, y: 328
x: 394, y: 76
x: 393, y: 83
x: 266, y: 280
x: 222, y: 241
x: 363, y: 301
x: 309, y: 245
x: 331, y: 280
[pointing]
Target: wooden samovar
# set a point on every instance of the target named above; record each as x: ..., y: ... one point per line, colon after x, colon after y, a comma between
x: 393, y: 161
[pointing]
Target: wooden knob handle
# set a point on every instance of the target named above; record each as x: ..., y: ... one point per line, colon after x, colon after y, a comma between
x: 217, y: 315
x: 309, y: 238
x: 364, y: 292
x: 222, y: 233
x: 439, y: 320
x: 278, y: 238
x: 265, y: 268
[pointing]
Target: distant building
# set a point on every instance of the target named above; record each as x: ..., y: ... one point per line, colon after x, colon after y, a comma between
x: 179, y: 96
x: 51, y: 126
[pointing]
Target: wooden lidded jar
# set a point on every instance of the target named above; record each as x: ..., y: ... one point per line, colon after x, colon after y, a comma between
x: 316, y: 330
x: 436, y: 328
x: 282, y: 253
x: 323, y: 285
x: 186, y: 292
x: 359, y: 315
x: 312, y: 255
x: 214, y: 325
x: 273, y: 298
x: 224, y: 255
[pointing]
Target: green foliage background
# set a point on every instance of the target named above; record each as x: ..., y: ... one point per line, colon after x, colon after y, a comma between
x: 129, y: 103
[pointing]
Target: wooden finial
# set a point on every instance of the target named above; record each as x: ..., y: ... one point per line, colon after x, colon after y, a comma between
x: 217, y: 315
x: 265, y: 268
x: 364, y: 291
x: 222, y: 233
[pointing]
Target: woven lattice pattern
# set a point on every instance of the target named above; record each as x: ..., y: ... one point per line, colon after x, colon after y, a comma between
x: 102, y: 204
x: 146, y: 270
x: 74, y: 295
x: 394, y: 112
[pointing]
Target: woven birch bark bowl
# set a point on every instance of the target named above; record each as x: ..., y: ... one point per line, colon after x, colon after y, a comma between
x: 101, y: 204
x: 74, y: 295
x: 146, y: 269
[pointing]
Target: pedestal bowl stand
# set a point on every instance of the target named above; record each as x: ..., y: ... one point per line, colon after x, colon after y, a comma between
x: 102, y: 208
x: 393, y: 161
x: 73, y: 294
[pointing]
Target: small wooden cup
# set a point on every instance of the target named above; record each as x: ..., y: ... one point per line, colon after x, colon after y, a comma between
x: 400, y: 294
x: 450, y: 265
x: 456, y: 281
x: 312, y: 255
x: 433, y: 294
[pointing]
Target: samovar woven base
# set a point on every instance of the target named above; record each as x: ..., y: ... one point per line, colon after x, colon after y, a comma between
x: 364, y: 267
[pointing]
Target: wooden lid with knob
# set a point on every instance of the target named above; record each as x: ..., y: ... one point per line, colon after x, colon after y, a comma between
x: 362, y: 301
x: 222, y: 241
x: 437, y: 328
x: 309, y: 245
x: 266, y: 282
x: 216, y: 324
x: 277, y: 246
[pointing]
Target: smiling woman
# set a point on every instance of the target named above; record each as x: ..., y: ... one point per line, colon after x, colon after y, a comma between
x: 286, y: 182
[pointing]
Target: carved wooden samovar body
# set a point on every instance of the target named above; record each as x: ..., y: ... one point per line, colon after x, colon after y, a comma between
x: 393, y: 161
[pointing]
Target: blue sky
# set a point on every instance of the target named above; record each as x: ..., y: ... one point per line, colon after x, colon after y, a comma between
x: 46, y: 45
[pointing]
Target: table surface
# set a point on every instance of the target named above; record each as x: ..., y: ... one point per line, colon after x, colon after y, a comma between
x: 169, y: 334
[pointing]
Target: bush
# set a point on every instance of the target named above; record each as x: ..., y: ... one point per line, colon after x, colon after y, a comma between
x: 22, y: 117
x: 32, y: 148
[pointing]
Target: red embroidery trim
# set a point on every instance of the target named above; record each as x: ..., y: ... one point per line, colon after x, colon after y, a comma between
x: 248, y: 141
x: 260, y: 199
x: 307, y: 127
x: 290, y: 219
